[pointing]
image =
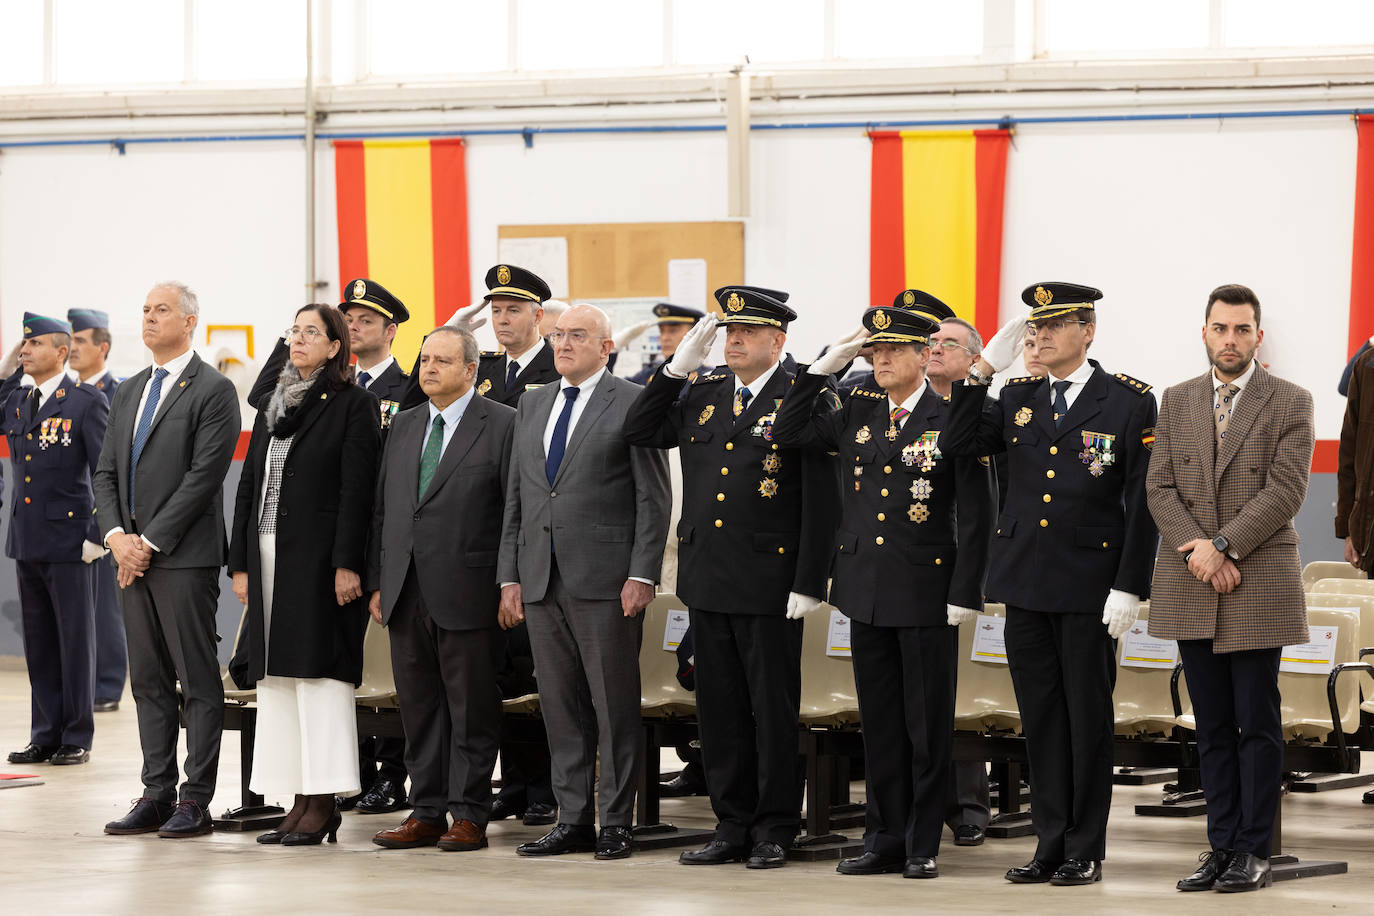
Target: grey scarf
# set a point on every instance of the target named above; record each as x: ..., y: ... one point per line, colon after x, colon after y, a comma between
x: 290, y: 392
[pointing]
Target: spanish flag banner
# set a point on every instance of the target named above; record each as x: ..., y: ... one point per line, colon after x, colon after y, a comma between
x: 1362, y: 260
x: 403, y: 221
x: 936, y: 219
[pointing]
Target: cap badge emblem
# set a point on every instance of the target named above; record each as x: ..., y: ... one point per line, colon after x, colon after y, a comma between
x: 734, y: 303
x: 359, y: 289
x: 1043, y: 296
x: 503, y: 275
x: 881, y: 321
x: 908, y: 298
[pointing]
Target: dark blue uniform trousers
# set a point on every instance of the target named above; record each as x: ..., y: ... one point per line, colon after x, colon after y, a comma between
x: 59, y: 646
x: 111, y: 651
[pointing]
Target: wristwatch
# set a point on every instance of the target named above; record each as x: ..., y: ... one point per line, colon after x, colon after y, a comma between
x: 977, y: 377
x: 1221, y: 544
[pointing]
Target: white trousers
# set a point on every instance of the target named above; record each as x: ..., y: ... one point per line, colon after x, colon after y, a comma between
x: 307, y: 729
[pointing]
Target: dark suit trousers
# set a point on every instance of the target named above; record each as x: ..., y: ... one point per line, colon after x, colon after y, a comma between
x: 525, y: 777
x: 968, y: 802
x: 586, y: 656
x: 59, y: 648
x: 111, y: 652
x: 748, y: 679
x: 1240, y: 742
x: 450, y: 707
x: 905, y: 678
x: 1063, y: 667
x: 169, y: 616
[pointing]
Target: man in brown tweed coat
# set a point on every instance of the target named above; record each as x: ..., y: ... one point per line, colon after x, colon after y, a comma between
x: 1223, y: 487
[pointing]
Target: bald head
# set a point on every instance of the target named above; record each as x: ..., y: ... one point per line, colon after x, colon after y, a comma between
x: 581, y: 342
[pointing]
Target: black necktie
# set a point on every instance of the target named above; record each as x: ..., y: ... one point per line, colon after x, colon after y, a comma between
x: 364, y: 378
x: 1061, y: 406
x: 32, y: 406
x: 512, y: 370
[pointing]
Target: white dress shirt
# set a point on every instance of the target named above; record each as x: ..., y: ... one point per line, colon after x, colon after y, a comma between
x: 46, y: 389
x: 374, y: 371
x: 1078, y: 378
x: 757, y: 384
x: 523, y: 359
x: 909, y: 404
x: 584, y: 393
x: 1240, y: 383
x: 452, y: 414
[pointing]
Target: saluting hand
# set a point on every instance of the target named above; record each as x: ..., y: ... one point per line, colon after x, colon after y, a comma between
x: 691, y: 352
x: 840, y: 353
x: 463, y: 317
x: 512, y: 611
x: 347, y: 586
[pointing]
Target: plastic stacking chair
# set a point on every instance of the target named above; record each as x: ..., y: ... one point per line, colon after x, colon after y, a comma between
x: 1313, y: 706
x: 986, y: 700
x: 1328, y: 569
x: 828, y: 697
x: 378, y: 688
x: 661, y: 696
x: 1143, y: 699
x: 232, y: 692
x: 1320, y: 599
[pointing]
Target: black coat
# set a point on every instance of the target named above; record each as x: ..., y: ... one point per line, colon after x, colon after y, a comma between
x: 389, y: 388
x: 1074, y: 525
x: 323, y: 519
x: 758, y: 520
x: 916, y: 525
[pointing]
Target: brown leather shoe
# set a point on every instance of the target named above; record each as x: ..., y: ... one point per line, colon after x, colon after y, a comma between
x: 411, y: 835
x: 463, y: 836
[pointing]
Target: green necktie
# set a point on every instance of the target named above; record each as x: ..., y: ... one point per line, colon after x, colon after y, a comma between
x: 429, y: 459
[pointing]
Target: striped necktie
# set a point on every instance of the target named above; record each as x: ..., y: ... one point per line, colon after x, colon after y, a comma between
x: 895, y: 422
x: 144, y: 428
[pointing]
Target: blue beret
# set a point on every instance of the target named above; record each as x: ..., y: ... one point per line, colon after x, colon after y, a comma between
x: 34, y: 325
x: 85, y: 319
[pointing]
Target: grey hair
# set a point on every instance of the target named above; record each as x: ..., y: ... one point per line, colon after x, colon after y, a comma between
x: 186, y: 297
x: 471, y: 351
x: 975, y: 340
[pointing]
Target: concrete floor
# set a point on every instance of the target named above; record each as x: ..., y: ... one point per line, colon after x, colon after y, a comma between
x: 53, y: 855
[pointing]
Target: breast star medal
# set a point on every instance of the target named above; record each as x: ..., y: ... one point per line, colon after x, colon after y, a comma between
x: 918, y: 513
x: 863, y: 435
x: 484, y: 387
x: 772, y: 464
x: 1022, y: 417
x: 909, y: 455
x: 706, y: 413
x: 768, y: 488
x: 921, y: 489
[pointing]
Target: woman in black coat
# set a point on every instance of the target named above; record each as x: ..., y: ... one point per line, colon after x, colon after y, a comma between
x: 305, y: 498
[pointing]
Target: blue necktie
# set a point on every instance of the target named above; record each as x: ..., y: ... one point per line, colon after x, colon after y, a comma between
x: 559, y: 444
x: 1061, y: 406
x: 512, y: 371
x: 364, y: 378
x: 145, y: 426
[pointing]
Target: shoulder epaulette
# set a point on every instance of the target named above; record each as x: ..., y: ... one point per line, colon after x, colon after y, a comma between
x: 716, y: 377
x: 1134, y: 384
x: 867, y: 393
x: 492, y: 354
x: 1023, y: 380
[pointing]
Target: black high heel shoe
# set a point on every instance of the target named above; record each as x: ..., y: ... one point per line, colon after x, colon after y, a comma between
x: 315, y: 838
x: 272, y: 837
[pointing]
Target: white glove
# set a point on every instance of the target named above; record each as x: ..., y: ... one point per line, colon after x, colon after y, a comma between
x: 1120, y: 611
x: 840, y: 354
x: 11, y: 361
x: 956, y: 615
x: 799, y: 605
x: 1006, y: 344
x: 691, y: 353
x: 91, y: 551
x: 463, y: 317
x: 625, y: 335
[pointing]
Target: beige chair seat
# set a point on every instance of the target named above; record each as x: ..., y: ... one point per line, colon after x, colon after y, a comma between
x: 1143, y: 701
x: 986, y: 699
x: 1357, y: 594
x: 1327, y: 569
x: 828, y: 695
x: 378, y: 688
x: 527, y: 705
x: 1305, y: 708
x: 660, y: 694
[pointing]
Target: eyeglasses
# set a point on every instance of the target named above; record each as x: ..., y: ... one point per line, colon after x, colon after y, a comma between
x: 307, y: 334
x: 1053, y: 325
x: 577, y: 338
x: 949, y: 346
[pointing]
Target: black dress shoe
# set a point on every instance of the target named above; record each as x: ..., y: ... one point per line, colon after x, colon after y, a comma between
x: 870, y: 863
x: 346, y: 804
x: 1036, y: 871
x: 538, y: 814
x: 69, y: 755
x: 681, y: 786
x: 106, y: 705
x: 1077, y: 871
x: 614, y: 843
x: 968, y: 835
x: 145, y: 816
x: 315, y: 837
x: 766, y: 855
x: 716, y: 852
x: 921, y: 867
x: 385, y: 796
x: 563, y: 838
x: 1213, y: 863
x: 1245, y: 872
x: 1368, y: 797
x: 504, y: 806
x: 34, y: 753
x: 188, y: 819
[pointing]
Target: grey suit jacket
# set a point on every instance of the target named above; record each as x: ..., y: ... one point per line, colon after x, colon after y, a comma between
x: 179, y: 501
x: 453, y: 532
x: 606, y: 514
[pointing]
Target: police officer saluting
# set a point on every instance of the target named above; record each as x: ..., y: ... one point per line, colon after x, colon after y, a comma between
x: 753, y: 554
x: 674, y: 321
x: 1072, y: 556
x: 909, y: 565
x: 54, y: 430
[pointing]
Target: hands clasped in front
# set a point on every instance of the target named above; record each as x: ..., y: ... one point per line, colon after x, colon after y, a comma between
x: 1207, y: 564
x: 132, y: 557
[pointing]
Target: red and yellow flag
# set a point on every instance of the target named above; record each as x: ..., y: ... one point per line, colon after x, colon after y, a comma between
x: 403, y: 221
x: 936, y: 219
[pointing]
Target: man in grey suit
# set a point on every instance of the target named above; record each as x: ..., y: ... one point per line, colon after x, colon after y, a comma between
x: 159, y: 505
x: 585, y: 522
x: 433, y: 585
